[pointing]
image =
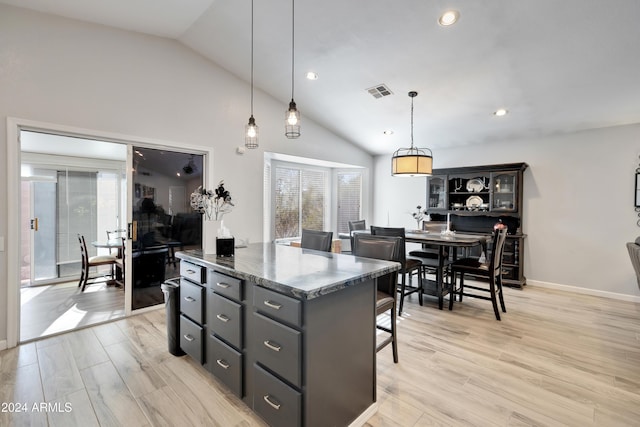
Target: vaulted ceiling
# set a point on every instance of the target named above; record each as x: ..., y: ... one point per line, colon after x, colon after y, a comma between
x: 555, y: 65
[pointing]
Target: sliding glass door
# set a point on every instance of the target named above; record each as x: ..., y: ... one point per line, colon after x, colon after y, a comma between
x: 162, y: 219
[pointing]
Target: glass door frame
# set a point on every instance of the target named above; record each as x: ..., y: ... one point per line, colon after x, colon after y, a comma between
x: 14, y: 127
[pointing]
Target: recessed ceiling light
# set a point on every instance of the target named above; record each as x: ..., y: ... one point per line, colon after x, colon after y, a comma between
x: 178, y: 174
x: 388, y: 132
x: 312, y: 76
x: 450, y: 17
x: 500, y: 112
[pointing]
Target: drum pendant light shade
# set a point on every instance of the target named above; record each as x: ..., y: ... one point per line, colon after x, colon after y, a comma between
x: 412, y: 161
x: 251, y: 129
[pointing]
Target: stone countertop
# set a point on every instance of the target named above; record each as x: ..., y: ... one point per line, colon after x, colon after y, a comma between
x: 301, y: 273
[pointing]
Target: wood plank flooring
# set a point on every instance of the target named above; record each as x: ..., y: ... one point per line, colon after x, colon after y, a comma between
x: 557, y: 358
x: 51, y: 309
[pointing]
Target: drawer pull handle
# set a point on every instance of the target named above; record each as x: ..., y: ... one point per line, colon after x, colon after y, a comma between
x: 271, y: 346
x: 267, y: 399
x: 273, y: 305
x: 188, y: 337
x: 222, y: 285
x: 222, y: 364
x: 222, y: 318
x: 189, y: 299
x: 191, y: 271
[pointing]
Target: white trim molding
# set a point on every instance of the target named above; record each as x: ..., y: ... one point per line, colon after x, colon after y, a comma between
x: 583, y: 291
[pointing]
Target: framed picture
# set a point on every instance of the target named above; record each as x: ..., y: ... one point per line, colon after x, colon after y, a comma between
x: 148, y: 192
x: 637, y: 203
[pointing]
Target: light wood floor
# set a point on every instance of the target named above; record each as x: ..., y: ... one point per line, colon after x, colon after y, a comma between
x: 51, y: 309
x: 556, y: 359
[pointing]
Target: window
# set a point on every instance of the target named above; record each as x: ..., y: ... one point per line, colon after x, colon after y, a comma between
x: 300, y: 200
x: 303, y: 193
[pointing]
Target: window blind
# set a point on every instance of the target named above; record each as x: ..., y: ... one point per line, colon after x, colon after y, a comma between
x: 349, y: 199
x: 300, y: 201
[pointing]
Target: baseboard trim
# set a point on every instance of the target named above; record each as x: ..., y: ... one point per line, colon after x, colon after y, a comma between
x: 3, y: 345
x: 583, y: 291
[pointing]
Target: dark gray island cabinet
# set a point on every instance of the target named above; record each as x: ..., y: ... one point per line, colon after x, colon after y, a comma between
x: 288, y: 330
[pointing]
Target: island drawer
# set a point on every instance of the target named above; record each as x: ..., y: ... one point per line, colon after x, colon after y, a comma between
x: 191, y: 338
x: 193, y: 272
x: 224, y: 318
x: 225, y: 285
x: 277, y: 403
x: 278, y: 347
x: 225, y: 363
x: 278, y: 306
x: 192, y: 300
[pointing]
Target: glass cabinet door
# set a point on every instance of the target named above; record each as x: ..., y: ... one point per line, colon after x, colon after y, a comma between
x: 504, y: 192
x: 437, y: 197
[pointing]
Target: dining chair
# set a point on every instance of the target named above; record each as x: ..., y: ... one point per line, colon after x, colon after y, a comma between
x: 410, y: 266
x: 120, y: 265
x: 94, y: 261
x: 359, y: 224
x: 385, y: 248
x: 429, y: 257
x: 114, y: 234
x: 491, y: 270
x: 316, y: 239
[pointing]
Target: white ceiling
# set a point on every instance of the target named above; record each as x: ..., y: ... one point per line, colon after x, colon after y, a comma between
x: 556, y: 65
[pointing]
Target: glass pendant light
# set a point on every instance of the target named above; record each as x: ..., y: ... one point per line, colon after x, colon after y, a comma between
x: 292, y: 115
x: 251, y: 129
x: 412, y: 161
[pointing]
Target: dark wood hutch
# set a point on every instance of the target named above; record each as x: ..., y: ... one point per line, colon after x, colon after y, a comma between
x: 476, y: 197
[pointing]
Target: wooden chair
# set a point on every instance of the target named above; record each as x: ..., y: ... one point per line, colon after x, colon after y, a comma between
x: 491, y: 270
x: 386, y: 248
x: 360, y: 224
x: 410, y: 266
x: 114, y: 234
x: 428, y: 256
x: 634, y: 254
x: 120, y: 265
x: 318, y: 240
x: 94, y: 261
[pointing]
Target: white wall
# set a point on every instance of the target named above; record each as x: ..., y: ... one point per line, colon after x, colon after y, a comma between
x: 578, y: 203
x: 69, y: 73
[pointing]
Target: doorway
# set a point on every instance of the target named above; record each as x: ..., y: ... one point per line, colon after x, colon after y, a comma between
x: 65, y: 197
x: 71, y: 187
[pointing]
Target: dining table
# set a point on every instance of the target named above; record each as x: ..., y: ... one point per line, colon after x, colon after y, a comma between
x: 109, y: 244
x: 443, y: 240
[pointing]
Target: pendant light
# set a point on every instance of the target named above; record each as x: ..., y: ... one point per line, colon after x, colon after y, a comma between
x: 292, y: 115
x: 251, y: 129
x: 412, y: 161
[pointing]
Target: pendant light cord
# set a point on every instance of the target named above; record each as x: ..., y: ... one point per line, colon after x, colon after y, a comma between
x: 412, y: 122
x: 251, y: 58
x: 293, y: 35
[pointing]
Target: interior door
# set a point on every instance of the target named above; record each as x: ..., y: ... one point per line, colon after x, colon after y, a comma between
x: 162, y: 221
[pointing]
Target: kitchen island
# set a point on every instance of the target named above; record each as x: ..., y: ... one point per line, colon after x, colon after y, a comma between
x: 290, y: 331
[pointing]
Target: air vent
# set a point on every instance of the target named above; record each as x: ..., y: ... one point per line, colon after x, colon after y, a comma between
x: 379, y: 91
